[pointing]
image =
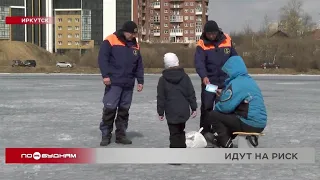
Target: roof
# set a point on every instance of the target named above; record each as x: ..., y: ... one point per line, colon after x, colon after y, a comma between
x: 279, y: 33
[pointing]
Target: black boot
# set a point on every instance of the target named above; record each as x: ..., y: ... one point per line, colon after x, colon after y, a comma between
x: 224, y: 140
x: 123, y: 140
x: 211, y: 140
x: 106, y: 126
x: 122, y: 125
x: 106, y: 140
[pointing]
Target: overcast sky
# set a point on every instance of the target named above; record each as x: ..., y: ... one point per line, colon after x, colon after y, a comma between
x: 232, y: 15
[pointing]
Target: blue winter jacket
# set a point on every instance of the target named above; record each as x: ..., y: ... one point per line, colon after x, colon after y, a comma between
x: 120, y: 60
x: 241, y: 87
x: 210, y: 56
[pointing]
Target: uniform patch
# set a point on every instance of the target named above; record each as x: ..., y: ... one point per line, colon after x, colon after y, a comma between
x: 135, y: 52
x: 227, y: 50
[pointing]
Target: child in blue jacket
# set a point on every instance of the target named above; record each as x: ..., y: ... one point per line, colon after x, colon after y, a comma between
x: 240, y: 107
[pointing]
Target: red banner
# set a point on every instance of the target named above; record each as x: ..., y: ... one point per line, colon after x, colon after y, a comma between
x: 49, y: 155
x: 29, y: 20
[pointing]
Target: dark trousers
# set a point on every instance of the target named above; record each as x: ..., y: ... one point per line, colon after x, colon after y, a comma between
x: 177, y: 135
x: 117, y: 101
x: 207, y: 101
x: 225, y: 124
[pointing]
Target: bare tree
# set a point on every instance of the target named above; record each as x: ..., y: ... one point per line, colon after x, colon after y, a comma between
x: 293, y: 19
x: 247, y: 30
x: 265, y: 30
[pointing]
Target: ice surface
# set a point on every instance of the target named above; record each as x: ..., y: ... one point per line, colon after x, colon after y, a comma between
x: 65, y: 111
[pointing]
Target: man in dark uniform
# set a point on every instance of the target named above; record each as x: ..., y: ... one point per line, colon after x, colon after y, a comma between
x: 213, y: 49
x: 120, y: 64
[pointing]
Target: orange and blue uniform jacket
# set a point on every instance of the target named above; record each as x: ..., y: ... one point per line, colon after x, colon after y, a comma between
x: 121, y: 61
x: 210, y: 56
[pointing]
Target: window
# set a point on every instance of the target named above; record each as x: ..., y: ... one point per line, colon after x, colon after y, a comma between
x: 166, y: 31
x: 186, y: 25
x: 198, y: 25
x: 151, y: 11
x: 191, y: 31
x: 69, y: 35
x: 77, y: 43
x: 59, y: 43
x: 77, y: 28
x: 151, y: 25
x: 191, y: 3
x: 191, y: 18
x: 59, y: 35
x: 191, y: 10
x: 59, y: 27
x: 186, y: 18
x: 77, y: 35
x: 186, y: 4
x: 77, y: 20
x: 123, y: 12
x: 69, y: 28
x: 166, y: 18
x: 69, y: 43
x: 165, y: 25
x: 191, y: 24
x: 166, y: 11
x: 165, y: 4
x: 186, y: 31
x: 186, y: 10
x: 69, y: 20
x: 59, y: 19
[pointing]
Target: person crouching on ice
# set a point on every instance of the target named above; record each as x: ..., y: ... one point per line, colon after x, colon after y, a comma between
x: 175, y: 97
x: 240, y: 107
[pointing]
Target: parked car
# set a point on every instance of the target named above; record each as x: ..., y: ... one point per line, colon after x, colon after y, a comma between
x: 26, y: 63
x: 64, y: 65
x: 30, y: 63
x: 269, y: 66
x: 17, y: 63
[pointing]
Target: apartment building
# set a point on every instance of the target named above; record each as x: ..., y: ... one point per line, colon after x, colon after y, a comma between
x: 12, y: 8
x: 79, y: 24
x: 72, y: 30
x: 171, y: 21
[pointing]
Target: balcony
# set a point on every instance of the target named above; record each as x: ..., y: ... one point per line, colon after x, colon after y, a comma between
x: 176, y: 6
x: 156, y: 19
x: 156, y: 34
x: 176, y: 18
x: 198, y: 31
x: 143, y: 31
x: 156, y: 5
x: 176, y: 32
x: 199, y: 11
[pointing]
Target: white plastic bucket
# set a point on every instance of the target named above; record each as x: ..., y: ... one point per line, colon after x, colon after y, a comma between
x: 195, y: 139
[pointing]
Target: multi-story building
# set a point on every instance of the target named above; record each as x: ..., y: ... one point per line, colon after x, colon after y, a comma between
x: 79, y: 24
x: 172, y: 21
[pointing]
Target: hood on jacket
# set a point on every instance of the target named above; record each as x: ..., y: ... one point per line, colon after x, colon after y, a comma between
x: 173, y: 75
x: 235, y: 67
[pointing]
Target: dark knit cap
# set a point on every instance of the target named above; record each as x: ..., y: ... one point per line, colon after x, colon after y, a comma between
x: 130, y: 27
x: 211, y: 26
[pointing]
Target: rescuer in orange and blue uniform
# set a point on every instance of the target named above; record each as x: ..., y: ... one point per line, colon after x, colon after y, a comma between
x: 120, y: 64
x: 213, y: 49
